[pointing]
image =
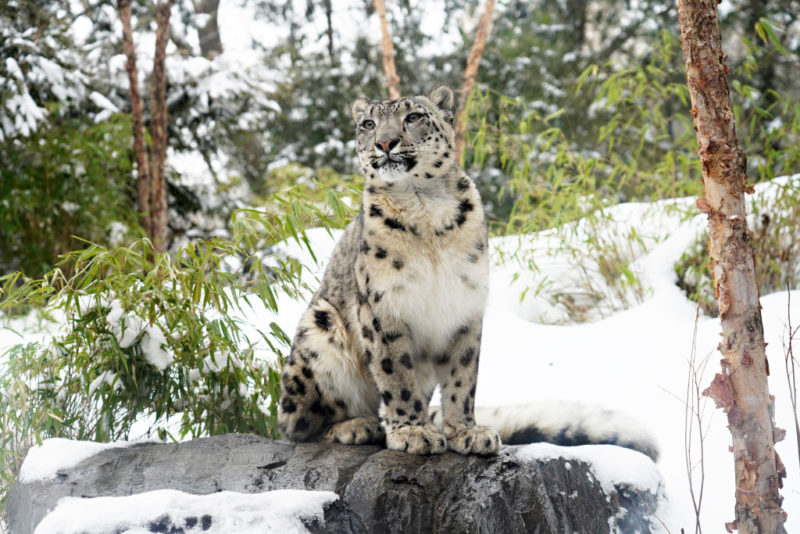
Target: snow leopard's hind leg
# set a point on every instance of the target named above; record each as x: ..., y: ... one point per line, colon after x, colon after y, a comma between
x: 324, y: 393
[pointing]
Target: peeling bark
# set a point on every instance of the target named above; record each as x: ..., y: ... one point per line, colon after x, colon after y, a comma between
x: 741, y: 389
x: 158, y: 130
x: 392, y: 80
x: 470, y: 73
x: 139, y: 147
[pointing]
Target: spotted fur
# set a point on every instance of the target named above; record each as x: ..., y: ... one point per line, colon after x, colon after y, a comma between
x: 401, y: 303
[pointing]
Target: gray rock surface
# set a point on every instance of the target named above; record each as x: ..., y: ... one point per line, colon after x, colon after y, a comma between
x: 379, y: 490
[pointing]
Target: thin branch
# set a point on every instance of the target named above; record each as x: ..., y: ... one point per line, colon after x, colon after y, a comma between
x: 470, y: 74
x: 790, y: 362
x: 693, y: 415
x: 392, y: 80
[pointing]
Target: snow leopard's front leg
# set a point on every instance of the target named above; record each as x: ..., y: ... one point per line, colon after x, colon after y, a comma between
x: 404, y: 407
x: 458, y: 375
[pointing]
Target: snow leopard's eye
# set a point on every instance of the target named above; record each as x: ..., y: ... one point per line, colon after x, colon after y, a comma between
x: 413, y: 117
x: 367, y: 124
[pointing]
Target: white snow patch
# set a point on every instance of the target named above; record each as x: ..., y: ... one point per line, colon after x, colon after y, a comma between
x: 116, y: 233
x: 226, y: 512
x: 56, y: 454
x: 125, y: 327
x: 611, y: 465
x: 152, y: 345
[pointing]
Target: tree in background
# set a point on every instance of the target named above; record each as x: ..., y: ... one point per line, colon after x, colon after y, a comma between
x: 64, y: 165
x: 741, y: 389
x: 151, y: 182
x: 392, y: 80
x: 208, y: 31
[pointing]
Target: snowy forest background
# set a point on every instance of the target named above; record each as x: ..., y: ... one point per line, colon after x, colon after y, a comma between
x: 578, y: 107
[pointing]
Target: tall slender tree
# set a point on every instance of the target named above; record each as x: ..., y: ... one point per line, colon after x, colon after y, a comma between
x: 151, y: 186
x: 741, y: 389
x: 392, y: 80
x: 139, y: 143
x: 158, y: 129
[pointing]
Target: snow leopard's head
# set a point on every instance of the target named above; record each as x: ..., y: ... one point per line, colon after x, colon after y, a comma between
x: 409, y: 137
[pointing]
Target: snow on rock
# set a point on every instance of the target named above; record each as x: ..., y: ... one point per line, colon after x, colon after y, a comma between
x: 611, y: 465
x: 225, y: 512
x: 53, y: 455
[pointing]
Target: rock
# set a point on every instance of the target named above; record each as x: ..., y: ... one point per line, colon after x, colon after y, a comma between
x: 379, y: 490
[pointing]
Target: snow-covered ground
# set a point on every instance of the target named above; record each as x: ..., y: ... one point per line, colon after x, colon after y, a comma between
x: 635, y: 361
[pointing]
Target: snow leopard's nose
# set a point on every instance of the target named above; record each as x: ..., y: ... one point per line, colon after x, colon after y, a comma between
x: 386, y: 144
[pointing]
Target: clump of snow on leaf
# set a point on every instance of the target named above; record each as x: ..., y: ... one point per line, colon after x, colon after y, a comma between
x: 129, y: 328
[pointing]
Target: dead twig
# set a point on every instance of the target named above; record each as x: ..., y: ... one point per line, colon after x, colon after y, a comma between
x: 693, y: 421
x: 791, y: 365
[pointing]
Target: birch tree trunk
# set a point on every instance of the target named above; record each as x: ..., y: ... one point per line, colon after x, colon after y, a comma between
x: 741, y: 388
x: 158, y: 130
x: 142, y: 163
x: 392, y: 80
x: 470, y: 73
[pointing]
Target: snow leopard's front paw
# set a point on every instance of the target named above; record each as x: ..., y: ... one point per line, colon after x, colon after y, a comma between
x: 425, y: 439
x: 356, y: 431
x: 472, y: 440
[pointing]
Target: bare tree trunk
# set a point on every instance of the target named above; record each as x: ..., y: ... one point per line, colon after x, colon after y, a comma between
x: 329, y: 30
x: 392, y: 80
x: 142, y: 164
x: 470, y: 73
x: 158, y: 130
x: 741, y: 389
x: 208, y: 34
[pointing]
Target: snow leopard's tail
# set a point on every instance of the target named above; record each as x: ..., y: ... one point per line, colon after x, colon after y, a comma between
x: 564, y: 423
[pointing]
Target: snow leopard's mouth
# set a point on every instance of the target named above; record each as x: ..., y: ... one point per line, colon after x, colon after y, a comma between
x: 395, y: 162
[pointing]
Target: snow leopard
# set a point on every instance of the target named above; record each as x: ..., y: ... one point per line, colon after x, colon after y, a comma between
x: 399, y: 310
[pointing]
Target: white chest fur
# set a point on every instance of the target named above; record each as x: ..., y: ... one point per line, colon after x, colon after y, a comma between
x: 436, y: 292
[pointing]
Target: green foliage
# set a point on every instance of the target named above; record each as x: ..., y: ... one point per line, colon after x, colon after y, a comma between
x: 693, y: 271
x: 643, y: 151
x: 68, y: 179
x: 316, y: 183
x: 769, y: 130
x: 773, y: 227
x: 153, y: 343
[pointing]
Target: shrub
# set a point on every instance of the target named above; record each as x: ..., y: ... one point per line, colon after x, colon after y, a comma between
x: 69, y: 178
x: 150, y: 344
x: 775, y: 217
x: 641, y: 150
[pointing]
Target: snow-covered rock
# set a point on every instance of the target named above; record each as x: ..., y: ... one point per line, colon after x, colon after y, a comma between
x: 239, y: 484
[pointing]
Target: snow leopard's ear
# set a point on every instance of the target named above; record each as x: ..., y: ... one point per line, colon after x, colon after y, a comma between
x: 444, y: 99
x: 360, y: 107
